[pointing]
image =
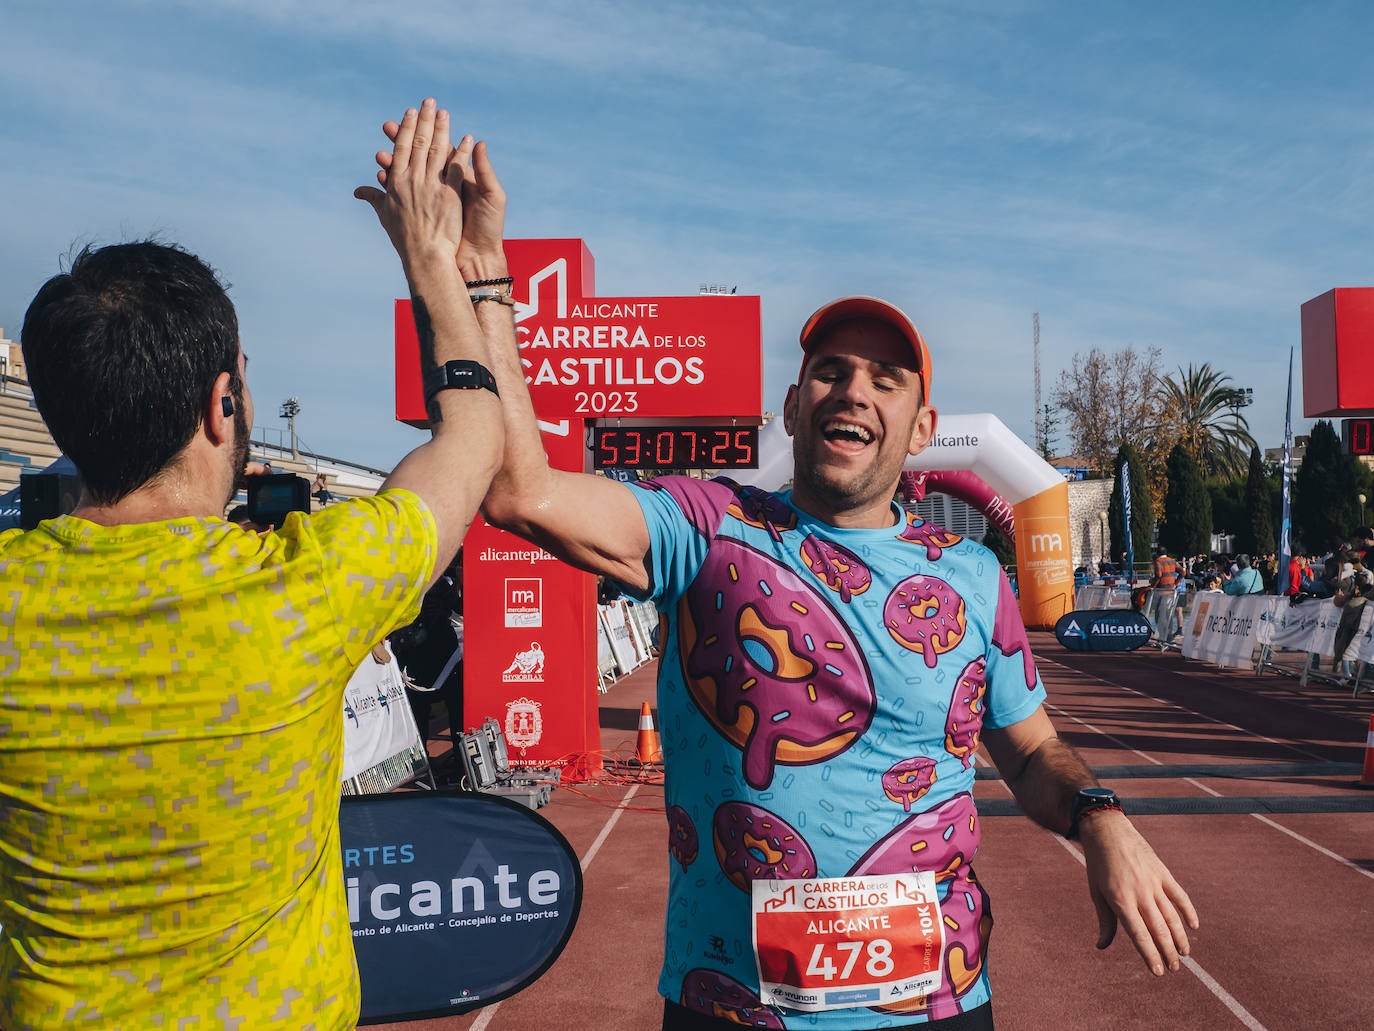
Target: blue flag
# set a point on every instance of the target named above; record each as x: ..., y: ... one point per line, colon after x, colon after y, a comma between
x: 1126, y: 518
x: 1286, y: 520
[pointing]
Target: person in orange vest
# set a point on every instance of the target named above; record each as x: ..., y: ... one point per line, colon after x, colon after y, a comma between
x: 1166, y: 569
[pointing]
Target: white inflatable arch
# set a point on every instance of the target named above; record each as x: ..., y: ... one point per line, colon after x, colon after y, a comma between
x: 977, y: 459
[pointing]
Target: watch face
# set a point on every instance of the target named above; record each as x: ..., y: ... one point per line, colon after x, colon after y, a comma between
x: 1097, y: 794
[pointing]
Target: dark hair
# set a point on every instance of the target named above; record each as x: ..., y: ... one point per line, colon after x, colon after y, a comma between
x: 122, y: 352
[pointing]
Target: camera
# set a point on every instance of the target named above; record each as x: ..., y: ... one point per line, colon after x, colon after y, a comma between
x: 274, y: 496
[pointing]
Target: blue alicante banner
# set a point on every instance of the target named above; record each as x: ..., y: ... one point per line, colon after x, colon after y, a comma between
x: 456, y: 900
x: 1103, y: 630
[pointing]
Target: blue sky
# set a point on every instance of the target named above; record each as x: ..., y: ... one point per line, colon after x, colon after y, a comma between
x: 1177, y: 175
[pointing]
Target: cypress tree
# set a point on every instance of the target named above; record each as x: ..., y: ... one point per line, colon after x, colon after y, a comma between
x: 1259, y: 540
x: 1325, y: 507
x: 1187, y: 523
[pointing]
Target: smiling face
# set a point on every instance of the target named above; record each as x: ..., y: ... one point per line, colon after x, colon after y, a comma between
x: 854, y: 418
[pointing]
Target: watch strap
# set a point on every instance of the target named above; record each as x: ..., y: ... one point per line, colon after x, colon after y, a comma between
x: 459, y: 374
x: 1091, y: 800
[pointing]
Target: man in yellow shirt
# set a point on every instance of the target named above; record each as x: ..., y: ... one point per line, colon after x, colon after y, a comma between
x: 171, y: 685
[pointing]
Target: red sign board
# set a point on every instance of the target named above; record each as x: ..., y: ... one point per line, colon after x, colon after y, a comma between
x: 530, y: 620
x: 687, y: 357
x: 1337, y: 341
x: 526, y: 661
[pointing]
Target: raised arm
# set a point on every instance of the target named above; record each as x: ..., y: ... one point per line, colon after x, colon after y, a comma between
x: 420, y: 208
x: 1127, y: 881
x: 588, y: 521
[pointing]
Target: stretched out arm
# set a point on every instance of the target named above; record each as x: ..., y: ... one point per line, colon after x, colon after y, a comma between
x: 420, y: 209
x: 1127, y: 881
x: 588, y: 521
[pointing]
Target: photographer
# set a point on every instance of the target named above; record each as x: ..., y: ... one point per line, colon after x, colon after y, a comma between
x: 172, y: 728
x: 1354, y: 587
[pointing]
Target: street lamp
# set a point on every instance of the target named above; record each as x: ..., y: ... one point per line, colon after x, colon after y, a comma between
x: 1361, y: 499
x: 1238, y: 398
x: 1102, y: 525
x: 290, y: 408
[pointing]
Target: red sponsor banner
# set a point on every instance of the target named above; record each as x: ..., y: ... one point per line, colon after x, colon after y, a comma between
x: 530, y: 661
x: 671, y: 357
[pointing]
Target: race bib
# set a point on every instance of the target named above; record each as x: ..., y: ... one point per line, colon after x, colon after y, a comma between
x: 826, y: 944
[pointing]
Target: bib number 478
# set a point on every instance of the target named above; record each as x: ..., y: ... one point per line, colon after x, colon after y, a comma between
x: 878, y: 964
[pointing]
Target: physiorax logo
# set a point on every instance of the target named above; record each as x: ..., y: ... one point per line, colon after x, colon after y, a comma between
x: 527, y: 667
x: 524, y: 723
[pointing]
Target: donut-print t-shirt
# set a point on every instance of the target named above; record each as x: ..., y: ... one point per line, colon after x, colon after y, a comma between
x: 821, y: 694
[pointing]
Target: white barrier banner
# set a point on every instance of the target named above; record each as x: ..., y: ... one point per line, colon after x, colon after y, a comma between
x: 1311, y: 627
x: 1292, y: 625
x: 618, y: 633
x: 378, y: 724
x: 1224, y: 629
x: 1323, y: 639
x: 1362, y: 648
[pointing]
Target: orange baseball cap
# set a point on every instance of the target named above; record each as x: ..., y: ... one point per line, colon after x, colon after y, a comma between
x: 832, y: 314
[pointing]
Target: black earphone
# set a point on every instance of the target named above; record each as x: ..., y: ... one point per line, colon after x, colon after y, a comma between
x: 226, y: 405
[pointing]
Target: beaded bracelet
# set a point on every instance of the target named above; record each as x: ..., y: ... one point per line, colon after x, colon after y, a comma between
x: 499, y: 281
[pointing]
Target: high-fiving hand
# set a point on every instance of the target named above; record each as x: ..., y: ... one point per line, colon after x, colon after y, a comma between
x: 420, y: 205
x: 470, y: 173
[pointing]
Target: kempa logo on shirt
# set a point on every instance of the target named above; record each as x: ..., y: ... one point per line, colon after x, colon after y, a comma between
x: 716, y: 951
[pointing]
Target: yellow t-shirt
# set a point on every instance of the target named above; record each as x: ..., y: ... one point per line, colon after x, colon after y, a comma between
x: 171, y: 742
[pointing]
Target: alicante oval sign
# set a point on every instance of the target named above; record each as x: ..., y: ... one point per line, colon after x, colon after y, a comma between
x: 1103, y: 630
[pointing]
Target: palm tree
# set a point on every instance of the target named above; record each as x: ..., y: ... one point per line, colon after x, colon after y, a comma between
x: 1202, y: 412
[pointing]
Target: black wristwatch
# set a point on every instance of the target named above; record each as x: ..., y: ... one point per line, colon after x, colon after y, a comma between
x: 1089, y: 800
x: 459, y: 375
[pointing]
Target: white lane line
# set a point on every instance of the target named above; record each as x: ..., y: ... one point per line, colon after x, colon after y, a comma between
x: 484, y: 1018
x: 1097, y: 730
x: 1313, y: 845
x: 1192, y: 966
x: 1203, y: 787
x: 1191, y: 712
x: 606, y: 830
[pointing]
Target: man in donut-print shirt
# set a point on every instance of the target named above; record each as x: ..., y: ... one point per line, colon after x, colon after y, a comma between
x: 832, y: 665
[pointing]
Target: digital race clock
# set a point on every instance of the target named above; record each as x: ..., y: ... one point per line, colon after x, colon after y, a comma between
x: 675, y: 447
x: 1358, y: 436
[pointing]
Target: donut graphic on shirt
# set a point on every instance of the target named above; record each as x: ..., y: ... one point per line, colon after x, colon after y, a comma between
x: 837, y: 567
x: 935, y: 538
x: 718, y: 995
x: 926, y: 615
x: 964, y: 724
x: 770, y: 664
x: 942, y: 841
x: 682, y: 836
x: 761, y: 509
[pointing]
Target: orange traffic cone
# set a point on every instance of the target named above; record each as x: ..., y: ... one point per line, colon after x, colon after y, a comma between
x: 647, y: 750
x: 1366, y: 778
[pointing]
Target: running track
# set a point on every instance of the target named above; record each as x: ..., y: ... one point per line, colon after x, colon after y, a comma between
x: 1245, y: 786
